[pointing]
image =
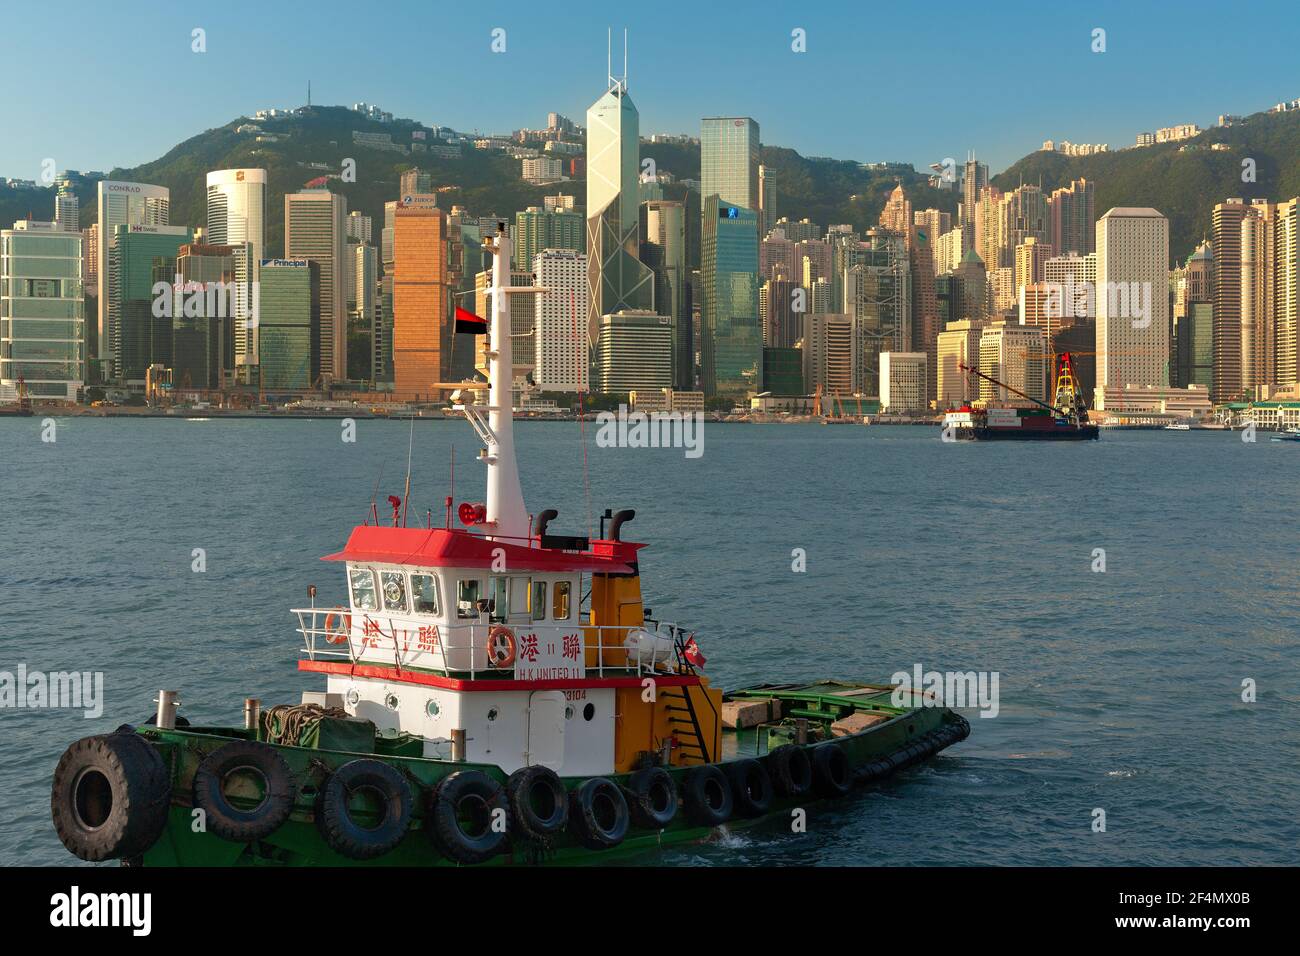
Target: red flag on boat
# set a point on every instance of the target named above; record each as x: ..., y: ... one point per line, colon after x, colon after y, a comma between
x: 467, y: 321
x: 692, y: 653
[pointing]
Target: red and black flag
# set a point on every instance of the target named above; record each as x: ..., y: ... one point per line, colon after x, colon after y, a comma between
x: 468, y: 322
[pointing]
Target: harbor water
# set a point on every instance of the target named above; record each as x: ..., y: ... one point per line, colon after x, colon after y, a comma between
x: 167, y: 553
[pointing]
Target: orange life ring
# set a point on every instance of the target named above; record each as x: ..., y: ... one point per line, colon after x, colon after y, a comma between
x: 500, y: 647
x: 340, y: 636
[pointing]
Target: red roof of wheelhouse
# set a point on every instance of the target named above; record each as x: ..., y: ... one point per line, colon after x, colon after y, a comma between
x: 453, y: 548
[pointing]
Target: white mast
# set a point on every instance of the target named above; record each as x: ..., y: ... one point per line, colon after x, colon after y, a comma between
x: 506, y: 516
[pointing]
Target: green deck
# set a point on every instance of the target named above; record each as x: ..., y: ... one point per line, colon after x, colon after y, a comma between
x: 298, y: 843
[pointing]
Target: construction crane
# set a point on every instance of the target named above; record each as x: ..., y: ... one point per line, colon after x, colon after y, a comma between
x: 1075, y: 409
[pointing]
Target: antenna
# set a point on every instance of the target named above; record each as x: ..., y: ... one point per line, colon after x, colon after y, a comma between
x: 609, y: 56
x: 625, y: 58
x: 410, y: 445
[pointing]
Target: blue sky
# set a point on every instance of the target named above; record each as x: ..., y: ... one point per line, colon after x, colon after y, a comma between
x: 95, y: 86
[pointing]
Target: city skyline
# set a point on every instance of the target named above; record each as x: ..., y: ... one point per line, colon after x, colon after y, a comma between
x: 1111, y: 98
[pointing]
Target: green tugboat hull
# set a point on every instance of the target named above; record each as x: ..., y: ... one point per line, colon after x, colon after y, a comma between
x: 896, y: 738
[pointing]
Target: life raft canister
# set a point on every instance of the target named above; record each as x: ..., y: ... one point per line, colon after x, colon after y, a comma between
x: 275, y: 781
x: 500, y: 647
x: 341, y: 635
x: 110, y: 796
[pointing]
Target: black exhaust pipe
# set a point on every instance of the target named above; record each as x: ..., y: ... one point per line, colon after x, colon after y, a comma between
x: 545, y: 518
x: 620, y: 519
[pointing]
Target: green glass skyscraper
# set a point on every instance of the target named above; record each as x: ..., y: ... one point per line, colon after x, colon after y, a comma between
x: 731, y: 336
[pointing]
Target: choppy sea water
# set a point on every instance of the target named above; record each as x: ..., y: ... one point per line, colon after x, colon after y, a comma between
x: 1119, y: 690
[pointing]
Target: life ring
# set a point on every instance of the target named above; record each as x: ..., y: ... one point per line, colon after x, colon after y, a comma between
x: 463, y: 814
x: 110, y: 797
x: 750, y: 785
x: 500, y: 647
x: 364, y: 839
x: 342, y: 635
x: 599, y: 816
x: 228, y: 821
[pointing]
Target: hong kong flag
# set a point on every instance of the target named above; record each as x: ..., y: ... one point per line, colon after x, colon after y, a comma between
x: 692, y: 653
x: 467, y: 321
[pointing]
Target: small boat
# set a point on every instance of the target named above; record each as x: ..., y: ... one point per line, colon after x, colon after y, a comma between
x: 494, y: 693
x: 1178, y: 427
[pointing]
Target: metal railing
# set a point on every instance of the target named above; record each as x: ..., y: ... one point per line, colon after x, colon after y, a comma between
x: 462, y: 650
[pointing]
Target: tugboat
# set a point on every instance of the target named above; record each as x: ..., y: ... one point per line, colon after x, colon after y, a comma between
x: 1066, y: 420
x: 480, y: 709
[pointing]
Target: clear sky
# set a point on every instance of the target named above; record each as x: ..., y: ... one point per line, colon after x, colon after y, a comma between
x: 94, y: 85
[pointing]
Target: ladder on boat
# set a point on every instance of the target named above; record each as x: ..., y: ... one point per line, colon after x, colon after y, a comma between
x: 685, y: 724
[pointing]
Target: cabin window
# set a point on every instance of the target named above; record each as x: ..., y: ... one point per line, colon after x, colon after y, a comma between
x: 393, y: 584
x: 424, y: 593
x: 560, y: 602
x: 364, y: 595
x: 467, y: 597
x: 500, y: 597
x: 537, y: 601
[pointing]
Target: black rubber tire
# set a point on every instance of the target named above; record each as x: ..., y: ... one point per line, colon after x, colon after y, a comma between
x: 652, y: 798
x: 791, y: 771
x: 598, y: 814
x: 110, y: 797
x: 343, y: 832
x: 474, y: 794
x: 226, y: 820
x: 832, y: 771
x: 539, y: 804
x: 751, y: 787
x: 707, y: 796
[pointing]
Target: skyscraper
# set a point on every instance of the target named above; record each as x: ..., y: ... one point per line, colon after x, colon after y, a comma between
x: 729, y: 160
x: 537, y: 229
x: 140, y: 258
x: 289, y: 322
x: 1072, y: 218
x: 237, y: 217
x: 1258, y: 274
x: 731, y: 339
x: 560, y: 349
x: 1132, y: 299
x: 421, y: 335
x: 975, y: 178
x: 121, y: 204
x: 67, y: 208
x: 663, y: 249
x: 1226, y: 243
x: 616, y: 278
x: 42, y: 337
x: 314, y: 227
x: 1286, y: 293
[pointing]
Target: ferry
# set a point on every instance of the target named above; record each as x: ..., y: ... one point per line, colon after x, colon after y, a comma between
x: 494, y: 693
x: 1178, y: 427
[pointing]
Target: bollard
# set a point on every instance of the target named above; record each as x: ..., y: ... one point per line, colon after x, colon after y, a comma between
x: 167, y: 705
x: 458, y: 745
x: 252, y: 714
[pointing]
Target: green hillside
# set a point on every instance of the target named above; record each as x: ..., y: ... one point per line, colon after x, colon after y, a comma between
x: 487, y: 183
x: 1184, y: 184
